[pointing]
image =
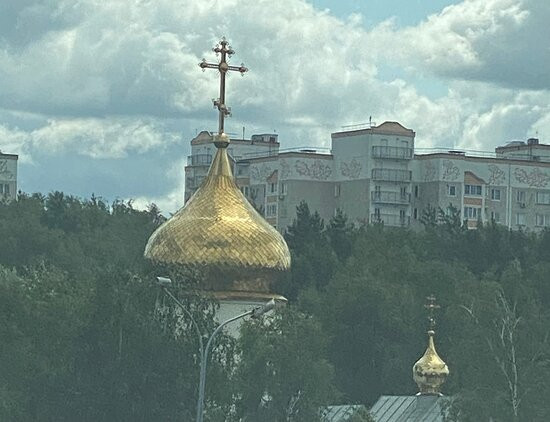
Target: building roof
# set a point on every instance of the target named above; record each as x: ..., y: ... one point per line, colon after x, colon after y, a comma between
x: 421, y: 408
x: 205, y: 137
x: 386, y: 128
x: 3, y: 155
x: 521, y: 147
x: 488, y: 159
x: 340, y: 413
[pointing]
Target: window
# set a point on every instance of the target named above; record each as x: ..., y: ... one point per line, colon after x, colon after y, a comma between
x: 472, y: 190
x: 273, y: 187
x: 416, y: 191
x: 283, y: 188
x: 520, y: 196
x: 403, y: 191
x: 451, y: 190
x: 271, y: 210
x: 415, y: 213
x: 543, y: 198
x: 495, y: 194
x: 542, y: 220
x: 495, y: 216
x: 520, y: 219
x: 472, y: 213
x: 337, y: 189
x: 377, y: 213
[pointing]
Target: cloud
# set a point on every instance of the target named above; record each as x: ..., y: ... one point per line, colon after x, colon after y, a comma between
x: 117, y: 80
x: 94, y: 138
x: 495, y: 41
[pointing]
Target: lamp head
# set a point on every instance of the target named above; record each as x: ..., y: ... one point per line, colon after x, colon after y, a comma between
x: 164, y: 281
x: 261, y: 310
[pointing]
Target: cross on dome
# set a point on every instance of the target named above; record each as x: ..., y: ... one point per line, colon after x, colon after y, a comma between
x: 224, y: 49
x: 431, y: 306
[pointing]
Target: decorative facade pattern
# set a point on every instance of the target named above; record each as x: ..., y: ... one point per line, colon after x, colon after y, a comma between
x: 534, y: 178
x: 5, y: 173
x: 430, y: 172
x: 261, y: 173
x: 286, y: 170
x: 450, y: 171
x: 351, y: 170
x: 496, y: 175
x: 317, y: 170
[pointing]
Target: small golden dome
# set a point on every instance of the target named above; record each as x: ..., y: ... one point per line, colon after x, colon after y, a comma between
x: 222, y: 235
x: 430, y: 372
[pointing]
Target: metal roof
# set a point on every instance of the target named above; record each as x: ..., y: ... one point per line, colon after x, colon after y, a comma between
x: 422, y: 408
x: 340, y: 413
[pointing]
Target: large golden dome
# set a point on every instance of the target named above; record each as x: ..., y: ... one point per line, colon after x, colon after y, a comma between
x: 219, y: 233
x: 430, y: 372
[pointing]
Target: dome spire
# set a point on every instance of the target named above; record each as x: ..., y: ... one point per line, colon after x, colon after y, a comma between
x: 218, y: 232
x: 430, y: 371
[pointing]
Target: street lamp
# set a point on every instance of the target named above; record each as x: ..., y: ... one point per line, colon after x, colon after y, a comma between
x: 256, y: 312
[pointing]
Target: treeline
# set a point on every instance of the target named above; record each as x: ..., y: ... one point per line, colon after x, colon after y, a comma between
x: 87, y: 336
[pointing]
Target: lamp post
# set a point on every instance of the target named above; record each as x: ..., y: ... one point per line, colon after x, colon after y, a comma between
x: 256, y: 312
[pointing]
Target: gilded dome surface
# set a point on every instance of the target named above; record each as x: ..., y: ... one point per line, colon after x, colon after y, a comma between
x: 218, y: 230
x: 430, y: 372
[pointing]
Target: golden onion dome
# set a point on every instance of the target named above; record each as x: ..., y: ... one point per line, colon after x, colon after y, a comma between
x: 220, y: 233
x: 430, y: 372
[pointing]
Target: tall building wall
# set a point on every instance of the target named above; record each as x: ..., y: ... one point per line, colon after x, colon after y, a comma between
x: 512, y: 192
x: 8, y: 177
x: 373, y: 175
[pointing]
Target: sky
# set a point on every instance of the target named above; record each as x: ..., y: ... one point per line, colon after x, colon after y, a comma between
x: 103, y: 97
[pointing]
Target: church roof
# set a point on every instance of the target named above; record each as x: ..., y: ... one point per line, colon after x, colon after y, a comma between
x: 421, y: 408
x: 340, y: 413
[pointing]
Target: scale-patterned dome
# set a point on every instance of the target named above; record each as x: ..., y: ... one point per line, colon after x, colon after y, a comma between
x: 218, y: 231
x: 430, y: 372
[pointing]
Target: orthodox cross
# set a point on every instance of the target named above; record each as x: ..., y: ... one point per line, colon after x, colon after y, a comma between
x: 226, y: 51
x: 431, y: 306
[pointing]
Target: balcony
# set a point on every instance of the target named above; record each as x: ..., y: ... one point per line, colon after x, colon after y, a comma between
x: 386, y: 197
x: 391, y: 219
x: 199, y: 160
x: 392, y: 175
x: 392, y: 153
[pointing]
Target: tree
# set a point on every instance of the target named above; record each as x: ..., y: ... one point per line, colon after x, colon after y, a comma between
x: 313, y: 260
x: 284, y: 375
x: 341, y: 235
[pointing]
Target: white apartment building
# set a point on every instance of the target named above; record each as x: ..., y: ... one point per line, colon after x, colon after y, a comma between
x: 374, y: 175
x: 8, y: 176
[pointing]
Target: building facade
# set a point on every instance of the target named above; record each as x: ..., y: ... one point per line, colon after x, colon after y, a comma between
x: 374, y: 174
x: 8, y: 176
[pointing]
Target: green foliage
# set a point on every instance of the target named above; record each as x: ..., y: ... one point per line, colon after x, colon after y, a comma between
x: 86, y: 336
x: 284, y: 375
x: 313, y: 259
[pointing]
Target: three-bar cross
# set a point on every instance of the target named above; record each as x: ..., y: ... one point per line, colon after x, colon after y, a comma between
x: 226, y: 51
x: 431, y: 306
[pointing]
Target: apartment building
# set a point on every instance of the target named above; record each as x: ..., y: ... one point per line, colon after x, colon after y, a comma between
x: 8, y: 176
x: 374, y: 174
x: 202, y: 150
